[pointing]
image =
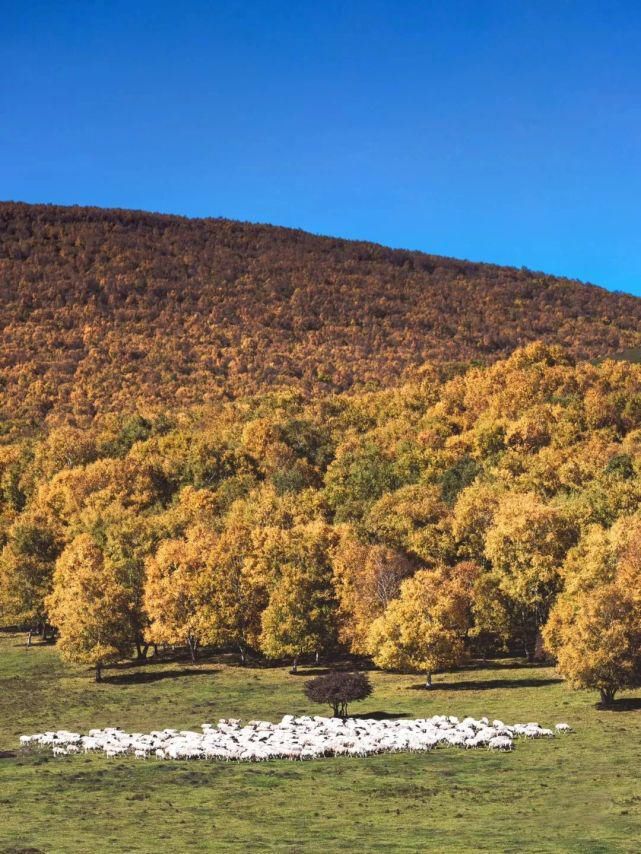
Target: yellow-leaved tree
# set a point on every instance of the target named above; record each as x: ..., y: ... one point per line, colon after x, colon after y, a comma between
x: 594, y: 629
x: 126, y: 539
x: 301, y: 614
x: 27, y: 562
x: 426, y: 627
x: 366, y: 578
x: 234, y: 597
x: 414, y: 519
x: 175, y: 590
x: 90, y: 606
x: 526, y: 546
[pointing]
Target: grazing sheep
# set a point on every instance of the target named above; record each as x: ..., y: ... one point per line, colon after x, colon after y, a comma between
x: 500, y: 742
x: 302, y: 738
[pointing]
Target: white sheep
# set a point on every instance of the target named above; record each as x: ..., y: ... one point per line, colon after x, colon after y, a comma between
x: 302, y: 738
x: 500, y: 742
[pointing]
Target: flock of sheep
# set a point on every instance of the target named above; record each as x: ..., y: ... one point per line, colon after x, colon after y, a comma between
x: 294, y: 738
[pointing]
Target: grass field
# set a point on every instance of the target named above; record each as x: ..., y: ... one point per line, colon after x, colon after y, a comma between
x: 579, y: 793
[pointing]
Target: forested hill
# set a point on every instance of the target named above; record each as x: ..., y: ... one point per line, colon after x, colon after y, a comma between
x: 111, y: 309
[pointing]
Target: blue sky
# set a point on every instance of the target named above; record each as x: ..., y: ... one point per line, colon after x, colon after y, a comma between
x: 496, y: 131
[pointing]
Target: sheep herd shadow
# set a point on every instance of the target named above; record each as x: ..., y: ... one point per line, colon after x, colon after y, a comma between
x: 383, y: 716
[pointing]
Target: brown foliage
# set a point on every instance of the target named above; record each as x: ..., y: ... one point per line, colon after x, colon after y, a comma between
x: 108, y: 310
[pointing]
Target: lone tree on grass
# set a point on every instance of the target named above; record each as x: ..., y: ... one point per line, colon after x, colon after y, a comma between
x: 338, y: 689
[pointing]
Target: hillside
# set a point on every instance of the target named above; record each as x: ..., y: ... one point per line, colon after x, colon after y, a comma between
x: 107, y: 309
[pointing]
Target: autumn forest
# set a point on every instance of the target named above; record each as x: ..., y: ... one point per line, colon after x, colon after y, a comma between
x: 113, y: 311
x: 225, y: 435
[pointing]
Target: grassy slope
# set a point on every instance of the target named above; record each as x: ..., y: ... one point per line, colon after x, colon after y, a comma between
x: 580, y: 793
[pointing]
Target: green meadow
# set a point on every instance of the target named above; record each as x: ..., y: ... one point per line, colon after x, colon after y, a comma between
x: 579, y: 793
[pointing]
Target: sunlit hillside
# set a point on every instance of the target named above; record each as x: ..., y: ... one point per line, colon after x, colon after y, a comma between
x: 107, y: 309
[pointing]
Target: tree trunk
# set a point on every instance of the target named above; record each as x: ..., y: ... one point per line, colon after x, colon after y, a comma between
x: 155, y: 646
x: 29, y: 636
x: 607, y: 696
x: 98, y: 676
x: 531, y: 637
x: 540, y: 653
x: 317, y: 657
x: 141, y: 651
x: 241, y: 649
x: 428, y: 680
x: 295, y: 665
x: 192, y: 643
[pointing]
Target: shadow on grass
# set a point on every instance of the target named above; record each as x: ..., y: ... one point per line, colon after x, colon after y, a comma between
x: 486, y: 684
x: 381, y: 716
x: 316, y: 671
x: 625, y: 704
x: 480, y: 664
x: 178, y: 656
x: 143, y: 678
x: 205, y: 656
x: 347, y: 666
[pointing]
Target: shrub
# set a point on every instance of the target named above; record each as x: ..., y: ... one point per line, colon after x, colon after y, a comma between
x: 338, y: 689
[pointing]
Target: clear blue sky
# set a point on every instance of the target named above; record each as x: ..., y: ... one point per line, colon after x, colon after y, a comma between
x: 499, y: 131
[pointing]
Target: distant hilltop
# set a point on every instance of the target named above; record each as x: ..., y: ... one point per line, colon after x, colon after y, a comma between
x: 105, y: 310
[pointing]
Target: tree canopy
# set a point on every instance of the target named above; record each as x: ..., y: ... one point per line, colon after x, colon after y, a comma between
x: 420, y: 524
x: 338, y: 689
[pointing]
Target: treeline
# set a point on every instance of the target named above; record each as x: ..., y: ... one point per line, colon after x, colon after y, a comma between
x: 417, y: 525
x: 111, y: 310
